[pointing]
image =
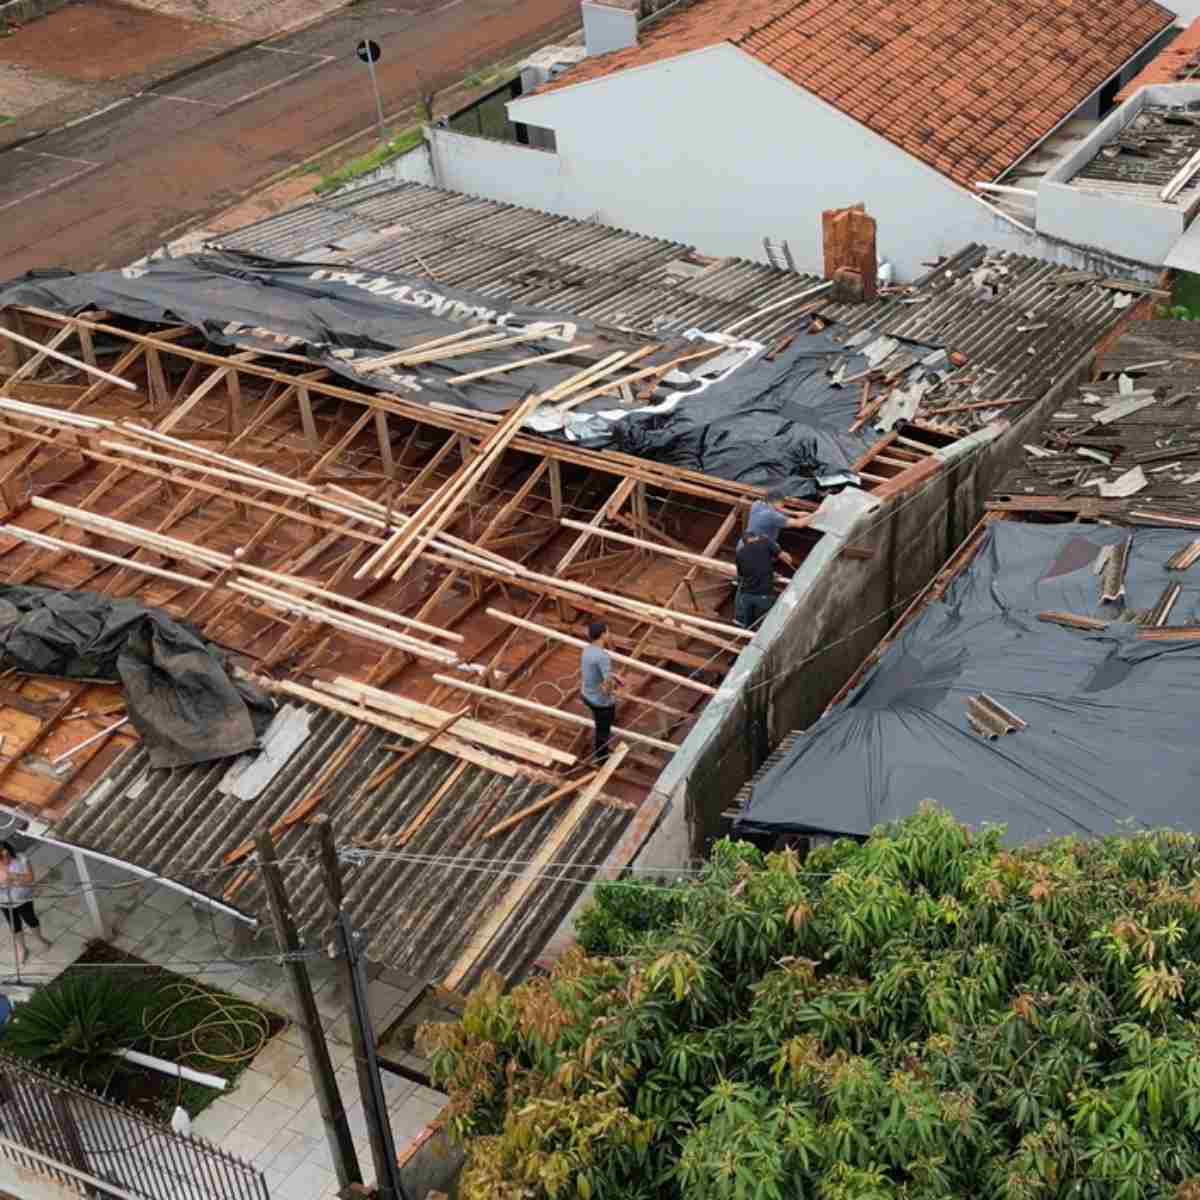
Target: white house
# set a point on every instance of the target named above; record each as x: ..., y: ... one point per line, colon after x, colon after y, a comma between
x: 724, y: 122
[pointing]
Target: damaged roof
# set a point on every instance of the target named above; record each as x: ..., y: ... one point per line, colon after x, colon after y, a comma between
x: 1178, y: 63
x: 966, y: 93
x: 1021, y: 324
x: 1127, y: 444
x: 429, y: 881
x: 610, y: 276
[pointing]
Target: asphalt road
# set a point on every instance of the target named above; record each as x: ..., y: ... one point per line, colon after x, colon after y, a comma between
x: 105, y: 191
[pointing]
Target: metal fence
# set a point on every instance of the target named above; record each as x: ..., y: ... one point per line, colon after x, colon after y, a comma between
x: 100, y: 1148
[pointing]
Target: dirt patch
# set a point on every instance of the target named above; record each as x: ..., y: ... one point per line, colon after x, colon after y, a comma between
x: 23, y: 90
x: 103, y: 42
x: 260, y: 17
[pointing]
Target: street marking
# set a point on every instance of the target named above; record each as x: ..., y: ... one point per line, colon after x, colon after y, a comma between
x: 87, y: 169
x: 281, y: 50
x: 182, y: 99
x: 324, y: 61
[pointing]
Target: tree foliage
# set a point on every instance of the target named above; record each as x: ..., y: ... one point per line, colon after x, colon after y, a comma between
x: 924, y: 1016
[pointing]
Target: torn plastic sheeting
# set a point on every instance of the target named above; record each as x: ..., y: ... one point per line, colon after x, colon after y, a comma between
x: 1109, y: 745
x: 776, y: 423
x: 336, y: 316
x: 177, y: 693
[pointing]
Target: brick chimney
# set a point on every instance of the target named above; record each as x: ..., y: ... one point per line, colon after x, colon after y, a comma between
x: 609, y: 25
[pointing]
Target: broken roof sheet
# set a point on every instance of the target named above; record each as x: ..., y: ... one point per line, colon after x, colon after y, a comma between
x: 521, y: 256
x: 420, y: 903
x: 1107, y: 429
x: 1104, y: 711
x: 1178, y: 63
x: 966, y: 93
x: 1018, y: 327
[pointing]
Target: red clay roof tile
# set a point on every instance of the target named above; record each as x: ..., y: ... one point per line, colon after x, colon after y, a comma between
x: 1009, y: 71
x: 1170, y: 65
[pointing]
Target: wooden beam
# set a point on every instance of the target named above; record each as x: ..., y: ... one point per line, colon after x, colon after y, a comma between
x: 503, y: 911
x: 384, y: 774
x: 529, y: 810
x: 699, y: 560
x: 554, y: 714
x: 645, y: 668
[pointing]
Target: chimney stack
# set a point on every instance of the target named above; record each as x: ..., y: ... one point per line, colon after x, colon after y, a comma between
x: 609, y: 25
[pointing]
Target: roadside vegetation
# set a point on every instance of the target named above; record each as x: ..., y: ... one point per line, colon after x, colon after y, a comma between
x: 923, y: 1016
x: 402, y: 143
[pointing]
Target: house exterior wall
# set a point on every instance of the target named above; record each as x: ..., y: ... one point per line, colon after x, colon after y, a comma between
x: 715, y: 149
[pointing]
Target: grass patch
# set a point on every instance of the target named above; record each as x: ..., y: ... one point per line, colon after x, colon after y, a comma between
x: 1186, y: 291
x: 183, y: 1021
x: 355, y: 169
x: 6, y: 120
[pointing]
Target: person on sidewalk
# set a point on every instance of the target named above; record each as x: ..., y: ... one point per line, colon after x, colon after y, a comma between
x: 16, y: 899
x: 599, y: 687
x: 756, y: 557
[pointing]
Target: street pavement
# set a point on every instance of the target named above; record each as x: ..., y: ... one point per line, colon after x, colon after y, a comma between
x: 110, y: 188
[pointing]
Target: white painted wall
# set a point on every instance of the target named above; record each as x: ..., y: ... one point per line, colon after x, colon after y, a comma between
x: 715, y: 149
x: 505, y: 171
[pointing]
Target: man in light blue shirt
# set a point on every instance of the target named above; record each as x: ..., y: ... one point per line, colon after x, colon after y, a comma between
x: 599, y: 687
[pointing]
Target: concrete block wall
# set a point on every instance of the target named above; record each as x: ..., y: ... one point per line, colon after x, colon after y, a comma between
x: 829, y: 619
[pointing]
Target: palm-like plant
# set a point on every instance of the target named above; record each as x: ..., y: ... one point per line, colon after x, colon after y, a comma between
x: 76, y: 1023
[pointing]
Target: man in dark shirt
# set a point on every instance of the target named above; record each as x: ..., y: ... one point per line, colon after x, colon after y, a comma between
x: 756, y: 556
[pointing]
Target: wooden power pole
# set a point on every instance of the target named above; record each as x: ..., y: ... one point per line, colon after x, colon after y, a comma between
x: 379, y: 1126
x: 329, y: 1099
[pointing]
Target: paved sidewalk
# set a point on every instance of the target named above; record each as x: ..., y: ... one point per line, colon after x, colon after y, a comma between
x: 271, y: 1117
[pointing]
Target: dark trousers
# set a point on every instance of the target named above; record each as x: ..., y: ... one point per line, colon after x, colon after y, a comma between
x: 750, y: 607
x: 603, y: 715
x: 21, y: 915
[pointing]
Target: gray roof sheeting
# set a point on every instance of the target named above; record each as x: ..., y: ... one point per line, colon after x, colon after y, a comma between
x: 420, y: 912
x: 610, y: 276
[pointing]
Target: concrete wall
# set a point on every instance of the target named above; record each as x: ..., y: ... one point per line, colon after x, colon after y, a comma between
x: 716, y: 149
x: 504, y: 171
x: 1141, y: 229
x: 828, y: 620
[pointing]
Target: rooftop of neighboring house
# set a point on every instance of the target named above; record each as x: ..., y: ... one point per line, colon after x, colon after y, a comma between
x: 1178, y: 63
x: 1127, y: 445
x: 968, y: 95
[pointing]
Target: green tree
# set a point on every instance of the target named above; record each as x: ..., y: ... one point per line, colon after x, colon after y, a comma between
x: 923, y: 1016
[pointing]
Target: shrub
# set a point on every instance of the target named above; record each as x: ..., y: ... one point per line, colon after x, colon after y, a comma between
x: 925, y: 1015
x: 621, y: 913
x: 75, y: 1023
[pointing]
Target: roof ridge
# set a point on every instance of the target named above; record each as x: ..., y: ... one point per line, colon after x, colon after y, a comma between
x: 783, y: 9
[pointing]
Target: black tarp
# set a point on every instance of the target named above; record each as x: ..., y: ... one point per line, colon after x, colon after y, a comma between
x: 777, y: 422
x: 1111, y: 739
x: 333, y: 315
x: 177, y: 693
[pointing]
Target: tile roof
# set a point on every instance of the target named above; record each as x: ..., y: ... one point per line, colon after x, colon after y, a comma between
x: 1179, y: 61
x: 968, y: 95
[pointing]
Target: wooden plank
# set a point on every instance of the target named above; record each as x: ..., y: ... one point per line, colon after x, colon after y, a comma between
x: 487, y: 372
x: 645, y: 668
x: 383, y: 775
x: 413, y: 732
x: 503, y: 911
x: 562, y: 793
x: 307, y: 421
x: 699, y: 560
x: 554, y: 714
x: 425, y: 714
x: 385, y: 443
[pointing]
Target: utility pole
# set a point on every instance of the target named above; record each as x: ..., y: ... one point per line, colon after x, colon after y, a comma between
x: 374, y: 1103
x: 329, y: 1100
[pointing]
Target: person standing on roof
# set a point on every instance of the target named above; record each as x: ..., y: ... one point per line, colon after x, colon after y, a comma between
x: 599, y: 687
x: 16, y: 899
x: 756, y: 557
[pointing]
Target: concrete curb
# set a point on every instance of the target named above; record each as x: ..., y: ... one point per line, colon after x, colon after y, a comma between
x: 171, y: 77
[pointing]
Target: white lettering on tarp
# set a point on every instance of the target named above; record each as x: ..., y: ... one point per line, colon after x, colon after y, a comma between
x: 383, y: 288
